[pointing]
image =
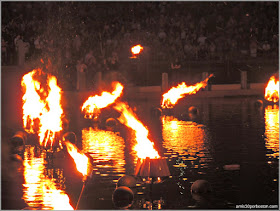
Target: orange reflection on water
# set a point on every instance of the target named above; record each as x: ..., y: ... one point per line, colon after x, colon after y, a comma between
x: 185, y: 138
x: 39, y: 191
x: 272, y: 130
x: 105, y: 147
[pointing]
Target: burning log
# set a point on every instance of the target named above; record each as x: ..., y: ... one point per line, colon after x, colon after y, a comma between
x: 170, y: 98
x: 272, y: 90
x: 91, y: 107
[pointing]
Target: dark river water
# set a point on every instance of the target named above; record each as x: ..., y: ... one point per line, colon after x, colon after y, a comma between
x: 229, y: 142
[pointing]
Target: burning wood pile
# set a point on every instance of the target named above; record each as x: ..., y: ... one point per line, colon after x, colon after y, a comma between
x: 42, y: 111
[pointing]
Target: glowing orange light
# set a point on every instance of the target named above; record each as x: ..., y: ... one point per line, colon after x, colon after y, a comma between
x: 80, y: 159
x: 106, y: 148
x: 182, y: 137
x: 56, y: 198
x: 144, y: 147
x: 272, y: 90
x: 43, y: 104
x: 136, y: 49
x: 39, y: 191
x: 271, y: 115
x: 171, y: 97
x: 94, y: 103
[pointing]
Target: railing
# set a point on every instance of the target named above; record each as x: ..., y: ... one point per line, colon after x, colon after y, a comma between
x: 149, y: 73
x: 225, y: 72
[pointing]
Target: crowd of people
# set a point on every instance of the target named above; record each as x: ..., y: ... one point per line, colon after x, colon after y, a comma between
x: 100, y: 34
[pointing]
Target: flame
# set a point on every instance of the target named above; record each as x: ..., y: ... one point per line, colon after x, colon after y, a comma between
x: 92, y: 105
x: 80, y: 159
x: 272, y: 90
x: 42, y: 104
x: 144, y: 147
x: 136, y: 49
x: 171, y: 97
x: 40, y: 191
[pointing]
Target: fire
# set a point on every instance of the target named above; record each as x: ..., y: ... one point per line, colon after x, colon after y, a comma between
x: 42, y: 104
x: 92, y: 105
x: 272, y: 90
x: 171, y: 97
x: 144, y: 147
x: 136, y: 49
x: 80, y: 159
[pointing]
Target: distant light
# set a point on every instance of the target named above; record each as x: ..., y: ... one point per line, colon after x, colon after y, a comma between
x: 247, y: 14
x: 136, y: 49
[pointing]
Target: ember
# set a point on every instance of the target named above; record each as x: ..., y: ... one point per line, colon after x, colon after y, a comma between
x: 144, y: 147
x: 41, y: 103
x: 272, y: 90
x: 171, y: 97
x: 93, y: 104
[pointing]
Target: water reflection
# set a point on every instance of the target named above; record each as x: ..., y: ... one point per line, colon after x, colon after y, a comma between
x: 186, y: 144
x: 272, y: 131
x: 40, y: 191
x: 184, y: 137
x: 107, y: 150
